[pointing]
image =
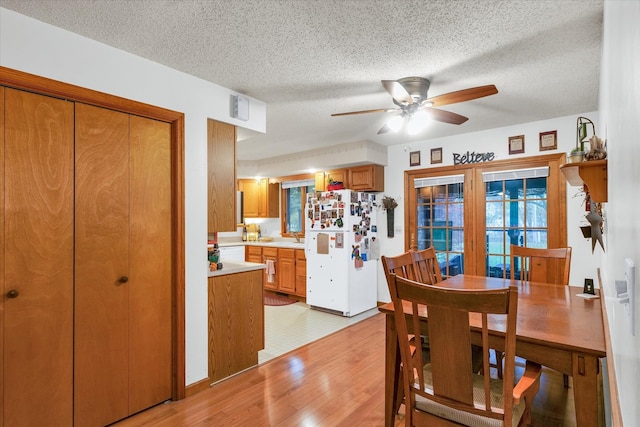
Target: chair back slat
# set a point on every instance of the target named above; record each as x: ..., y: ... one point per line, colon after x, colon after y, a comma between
x: 427, y: 266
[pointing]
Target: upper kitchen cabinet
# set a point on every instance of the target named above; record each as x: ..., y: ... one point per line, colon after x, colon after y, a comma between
x: 366, y: 178
x: 261, y: 198
x: 337, y: 175
x: 221, y: 163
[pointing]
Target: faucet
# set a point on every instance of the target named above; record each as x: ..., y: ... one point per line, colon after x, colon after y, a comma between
x: 297, y: 237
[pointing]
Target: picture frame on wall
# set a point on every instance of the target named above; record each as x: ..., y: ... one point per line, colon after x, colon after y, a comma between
x: 436, y: 155
x: 549, y: 140
x: 414, y: 158
x: 516, y: 144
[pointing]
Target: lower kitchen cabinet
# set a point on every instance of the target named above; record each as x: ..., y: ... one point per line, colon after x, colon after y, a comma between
x: 287, y: 270
x: 301, y: 274
x: 236, y: 323
x: 290, y: 268
x: 271, y: 281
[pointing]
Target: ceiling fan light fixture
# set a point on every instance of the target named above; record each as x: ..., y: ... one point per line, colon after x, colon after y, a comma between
x: 395, y: 123
x: 418, y: 122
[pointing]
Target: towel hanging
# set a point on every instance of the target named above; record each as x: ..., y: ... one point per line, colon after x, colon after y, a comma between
x: 271, y: 270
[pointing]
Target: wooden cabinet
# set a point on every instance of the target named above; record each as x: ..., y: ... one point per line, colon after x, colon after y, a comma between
x: 221, y: 182
x: 236, y: 323
x: 87, y: 252
x: 253, y: 254
x: 358, y: 178
x: 287, y: 270
x: 301, y: 273
x: 290, y: 267
x: 339, y: 175
x: 593, y: 173
x: 261, y: 198
x: 366, y: 178
x: 271, y: 281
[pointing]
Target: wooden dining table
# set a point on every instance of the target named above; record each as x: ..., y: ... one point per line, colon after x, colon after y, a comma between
x: 556, y: 328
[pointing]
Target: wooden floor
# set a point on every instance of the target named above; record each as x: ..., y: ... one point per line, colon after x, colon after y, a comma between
x: 335, y: 381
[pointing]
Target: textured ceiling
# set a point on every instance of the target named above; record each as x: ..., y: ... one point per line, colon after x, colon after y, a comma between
x: 309, y: 58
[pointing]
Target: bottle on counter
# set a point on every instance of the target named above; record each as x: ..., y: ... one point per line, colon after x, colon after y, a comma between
x: 259, y: 233
x: 244, y: 234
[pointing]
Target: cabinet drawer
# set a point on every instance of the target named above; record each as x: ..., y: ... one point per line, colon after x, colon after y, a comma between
x: 271, y: 252
x: 254, y: 250
x: 286, y: 253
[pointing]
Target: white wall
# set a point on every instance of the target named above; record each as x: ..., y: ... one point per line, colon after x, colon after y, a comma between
x: 38, y: 48
x: 620, y: 112
x: 583, y: 264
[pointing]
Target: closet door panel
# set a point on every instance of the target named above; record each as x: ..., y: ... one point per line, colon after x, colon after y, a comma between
x: 37, y: 260
x: 101, y: 266
x: 151, y: 264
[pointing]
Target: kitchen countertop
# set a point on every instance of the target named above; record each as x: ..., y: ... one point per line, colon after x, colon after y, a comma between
x: 290, y: 244
x: 237, y: 267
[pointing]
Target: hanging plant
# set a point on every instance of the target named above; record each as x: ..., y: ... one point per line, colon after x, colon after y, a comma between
x: 389, y: 203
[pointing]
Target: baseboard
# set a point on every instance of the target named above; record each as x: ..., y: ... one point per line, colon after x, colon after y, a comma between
x: 197, y: 387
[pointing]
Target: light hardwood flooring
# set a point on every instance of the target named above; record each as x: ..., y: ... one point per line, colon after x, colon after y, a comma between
x: 335, y: 381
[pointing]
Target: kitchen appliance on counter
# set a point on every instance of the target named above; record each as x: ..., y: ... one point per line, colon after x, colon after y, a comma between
x: 341, y: 251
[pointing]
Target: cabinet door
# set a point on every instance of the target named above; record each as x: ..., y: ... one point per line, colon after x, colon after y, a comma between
x: 301, y: 273
x: 221, y: 165
x: 367, y: 178
x: 251, y: 190
x: 287, y: 270
x: 270, y: 281
x: 36, y: 254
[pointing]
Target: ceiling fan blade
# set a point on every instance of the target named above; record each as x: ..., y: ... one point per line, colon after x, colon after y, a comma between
x: 397, y: 92
x: 384, y: 129
x: 462, y: 95
x: 446, y: 116
x: 379, y: 110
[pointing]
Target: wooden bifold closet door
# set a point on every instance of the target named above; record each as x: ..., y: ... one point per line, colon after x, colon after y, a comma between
x: 123, y: 258
x: 36, y: 256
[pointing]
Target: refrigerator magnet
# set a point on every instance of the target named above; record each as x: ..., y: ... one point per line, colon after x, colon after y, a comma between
x: 340, y: 240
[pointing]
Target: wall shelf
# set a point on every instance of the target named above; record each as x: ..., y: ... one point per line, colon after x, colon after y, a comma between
x: 593, y: 173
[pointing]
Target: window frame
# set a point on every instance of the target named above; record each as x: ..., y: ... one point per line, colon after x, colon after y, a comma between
x: 474, y: 206
x: 283, y: 202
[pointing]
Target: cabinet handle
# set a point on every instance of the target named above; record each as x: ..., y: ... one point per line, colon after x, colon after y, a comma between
x: 123, y: 279
x: 13, y: 294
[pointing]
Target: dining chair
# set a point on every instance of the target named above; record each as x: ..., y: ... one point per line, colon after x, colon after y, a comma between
x: 403, y: 266
x: 445, y: 392
x: 539, y: 265
x: 427, y: 266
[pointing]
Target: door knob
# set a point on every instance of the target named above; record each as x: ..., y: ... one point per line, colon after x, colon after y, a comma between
x: 123, y: 279
x: 13, y: 294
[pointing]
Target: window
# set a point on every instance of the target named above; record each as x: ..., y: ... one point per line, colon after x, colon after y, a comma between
x: 294, y: 194
x: 516, y: 213
x: 440, y: 215
x: 472, y: 213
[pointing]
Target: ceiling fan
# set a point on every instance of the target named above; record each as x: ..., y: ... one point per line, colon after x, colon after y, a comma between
x: 416, y: 108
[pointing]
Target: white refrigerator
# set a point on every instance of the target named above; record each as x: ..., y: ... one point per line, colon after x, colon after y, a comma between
x: 341, y: 251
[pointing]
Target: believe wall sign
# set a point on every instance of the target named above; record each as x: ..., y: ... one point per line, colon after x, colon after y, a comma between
x: 472, y: 157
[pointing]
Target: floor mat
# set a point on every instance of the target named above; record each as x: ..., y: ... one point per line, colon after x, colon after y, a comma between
x: 276, y: 299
